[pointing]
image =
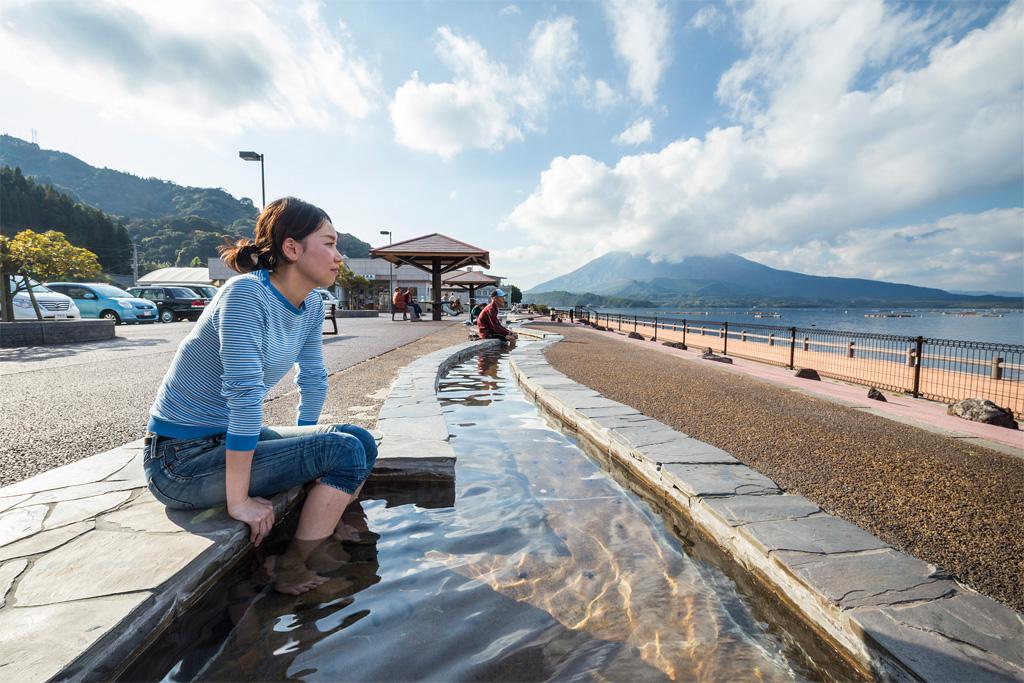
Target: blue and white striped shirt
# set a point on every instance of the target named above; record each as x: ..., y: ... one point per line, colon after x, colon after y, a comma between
x: 247, y: 339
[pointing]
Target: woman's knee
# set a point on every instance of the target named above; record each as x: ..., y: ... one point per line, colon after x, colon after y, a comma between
x: 366, y: 439
x: 342, y: 461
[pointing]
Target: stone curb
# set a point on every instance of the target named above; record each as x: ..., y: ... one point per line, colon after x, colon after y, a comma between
x: 892, y: 615
x: 415, y: 434
x: 93, y: 568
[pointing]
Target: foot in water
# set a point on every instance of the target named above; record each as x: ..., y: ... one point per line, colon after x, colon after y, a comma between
x: 290, y: 575
x: 352, y: 528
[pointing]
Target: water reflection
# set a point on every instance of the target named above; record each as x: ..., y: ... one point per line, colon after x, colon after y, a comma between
x: 533, y: 565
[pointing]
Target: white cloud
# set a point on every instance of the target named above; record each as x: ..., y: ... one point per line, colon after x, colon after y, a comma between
x: 708, y: 16
x: 637, y: 134
x: 814, y: 159
x: 640, y: 29
x: 962, y: 251
x: 596, y: 94
x: 191, y: 64
x: 486, y: 105
x: 510, y: 11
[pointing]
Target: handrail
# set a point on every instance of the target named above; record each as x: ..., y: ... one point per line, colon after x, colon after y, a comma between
x: 939, y: 369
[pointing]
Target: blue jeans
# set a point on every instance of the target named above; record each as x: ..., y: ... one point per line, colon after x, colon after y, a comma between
x: 189, y: 473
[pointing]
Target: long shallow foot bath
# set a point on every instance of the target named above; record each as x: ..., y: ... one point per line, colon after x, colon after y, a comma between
x: 537, y: 565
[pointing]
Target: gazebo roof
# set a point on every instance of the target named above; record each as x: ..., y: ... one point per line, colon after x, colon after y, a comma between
x: 421, y: 252
x: 473, y: 277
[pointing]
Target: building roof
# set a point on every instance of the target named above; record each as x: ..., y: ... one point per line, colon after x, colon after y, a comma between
x: 422, y: 251
x: 473, y: 277
x: 193, y: 275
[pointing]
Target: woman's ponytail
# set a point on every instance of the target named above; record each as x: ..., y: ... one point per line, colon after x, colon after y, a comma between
x: 242, y: 257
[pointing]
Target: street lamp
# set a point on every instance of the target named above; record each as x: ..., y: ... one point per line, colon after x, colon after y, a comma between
x: 256, y: 156
x: 391, y: 277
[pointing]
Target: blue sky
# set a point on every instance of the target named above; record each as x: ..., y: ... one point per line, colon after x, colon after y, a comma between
x: 863, y: 139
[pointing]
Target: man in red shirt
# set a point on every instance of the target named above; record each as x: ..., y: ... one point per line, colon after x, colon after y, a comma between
x: 488, y: 326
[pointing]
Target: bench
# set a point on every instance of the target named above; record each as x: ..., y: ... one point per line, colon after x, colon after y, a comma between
x: 329, y: 314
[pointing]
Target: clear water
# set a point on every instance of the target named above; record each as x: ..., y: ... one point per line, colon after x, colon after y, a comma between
x: 1009, y: 329
x: 535, y: 565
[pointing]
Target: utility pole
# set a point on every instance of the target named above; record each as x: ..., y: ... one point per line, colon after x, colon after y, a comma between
x: 135, y: 263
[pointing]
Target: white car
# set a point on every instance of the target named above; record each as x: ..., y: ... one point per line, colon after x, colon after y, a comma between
x: 52, y: 305
x: 328, y: 298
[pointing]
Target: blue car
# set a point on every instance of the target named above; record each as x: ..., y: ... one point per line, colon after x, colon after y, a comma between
x: 97, y: 300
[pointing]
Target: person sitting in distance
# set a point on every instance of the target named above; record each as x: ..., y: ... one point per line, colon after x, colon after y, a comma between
x: 398, y: 304
x: 412, y: 305
x: 488, y: 325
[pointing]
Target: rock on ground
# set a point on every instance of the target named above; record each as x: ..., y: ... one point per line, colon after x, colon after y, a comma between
x: 982, y: 410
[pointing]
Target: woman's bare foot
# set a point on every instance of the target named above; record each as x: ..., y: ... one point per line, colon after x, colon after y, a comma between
x: 329, y: 556
x: 291, y: 577
x: 352, y: 528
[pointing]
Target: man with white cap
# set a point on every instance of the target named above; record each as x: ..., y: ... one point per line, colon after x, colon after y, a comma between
x: 487, y: 323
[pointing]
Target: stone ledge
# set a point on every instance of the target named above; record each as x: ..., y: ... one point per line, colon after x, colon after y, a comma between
x: 48, y: 332
x: 892, y: 615
x: 93, y: 568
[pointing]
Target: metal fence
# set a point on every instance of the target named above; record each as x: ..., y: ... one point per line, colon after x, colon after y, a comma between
x: 939, y: 369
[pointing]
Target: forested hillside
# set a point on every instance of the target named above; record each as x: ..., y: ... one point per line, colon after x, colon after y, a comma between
x: 122, y: 194
x: 171, y: 224
x: 26, y: 205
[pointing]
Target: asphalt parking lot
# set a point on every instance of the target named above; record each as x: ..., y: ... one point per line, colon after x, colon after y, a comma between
x: 63, y: 403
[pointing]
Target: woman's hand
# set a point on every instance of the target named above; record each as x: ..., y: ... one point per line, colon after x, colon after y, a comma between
x: 258, y: 513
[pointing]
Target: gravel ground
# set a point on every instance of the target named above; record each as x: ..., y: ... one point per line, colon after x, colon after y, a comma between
x: 356, y: 394
x: 954, y: 504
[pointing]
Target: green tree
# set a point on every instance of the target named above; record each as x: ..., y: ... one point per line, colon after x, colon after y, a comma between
x: 353, y: 285
x: 515, y: 296
x: 42, y: 256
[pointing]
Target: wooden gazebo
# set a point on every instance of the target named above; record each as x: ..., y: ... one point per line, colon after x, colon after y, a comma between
x: 437, y: 254
x: 471, y: 280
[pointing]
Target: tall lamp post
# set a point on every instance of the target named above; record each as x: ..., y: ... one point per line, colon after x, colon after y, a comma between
x: 391, y: 276
x: 256, y: 156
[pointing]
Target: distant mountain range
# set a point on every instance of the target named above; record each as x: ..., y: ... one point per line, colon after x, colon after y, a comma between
x: 728, y: 279
x: 172, y: 225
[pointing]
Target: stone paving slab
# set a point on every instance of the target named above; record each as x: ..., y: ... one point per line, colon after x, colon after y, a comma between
x: 737, y: 510
x: 820, y: 534
x: 967, y: 637
x: 718, y: 480
x: 896, y: 616
x: 91, y: 565
x: 885, y: 577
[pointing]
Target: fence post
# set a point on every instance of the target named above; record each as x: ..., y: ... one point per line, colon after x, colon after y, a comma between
x: 655, y: 328
x: 619, y: 317
x: 725, y: 338
x: 997, y: 368
x: 918, y: 353
x: 684, y: 331
x: 849, y: 352
x: 634, y: 323
x: 792, y: 347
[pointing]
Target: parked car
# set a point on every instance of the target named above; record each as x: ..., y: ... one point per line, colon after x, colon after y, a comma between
x: 174, y: 303
x: 98, y: 300
x: 205, y: 291
x: 328, y: 298
x: 52, y: 305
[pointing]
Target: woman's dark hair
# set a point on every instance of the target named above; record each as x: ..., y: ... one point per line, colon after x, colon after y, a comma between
x: 282, y: 218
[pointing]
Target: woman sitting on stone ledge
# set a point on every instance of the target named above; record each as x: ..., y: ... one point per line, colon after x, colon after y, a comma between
x: 207, y: 444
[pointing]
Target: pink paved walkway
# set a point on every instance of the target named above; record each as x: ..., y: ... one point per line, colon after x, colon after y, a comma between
x: 916, y: 411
